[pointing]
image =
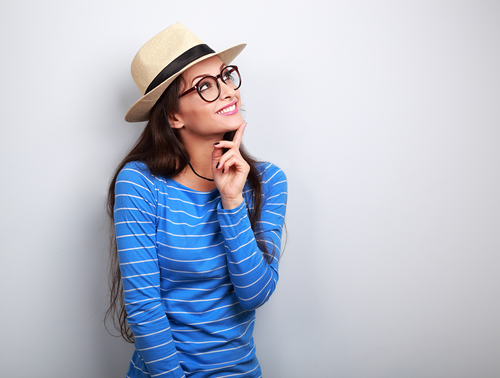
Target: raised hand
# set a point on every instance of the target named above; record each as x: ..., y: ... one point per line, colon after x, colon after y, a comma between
x: 230, y: 170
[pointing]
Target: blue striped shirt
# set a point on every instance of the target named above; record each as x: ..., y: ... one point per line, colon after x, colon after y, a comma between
x: 193, y: 274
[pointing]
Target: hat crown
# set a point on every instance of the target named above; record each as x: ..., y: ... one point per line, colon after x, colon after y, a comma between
x: 159, y: 52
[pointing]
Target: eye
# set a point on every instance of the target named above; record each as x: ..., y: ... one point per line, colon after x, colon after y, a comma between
x: 204, y: 85
x: 228, y: 74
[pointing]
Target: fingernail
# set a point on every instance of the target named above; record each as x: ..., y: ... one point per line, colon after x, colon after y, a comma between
x: 217, y: 166
x: 223, y: 170
x: 215, y: 144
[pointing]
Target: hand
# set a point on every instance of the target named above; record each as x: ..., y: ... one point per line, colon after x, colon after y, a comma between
x: 230, y: 170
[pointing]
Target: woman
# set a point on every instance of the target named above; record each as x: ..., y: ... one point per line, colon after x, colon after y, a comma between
x: 198, y: 222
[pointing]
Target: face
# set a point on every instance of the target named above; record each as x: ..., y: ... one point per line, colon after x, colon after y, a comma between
x: 207, y: 120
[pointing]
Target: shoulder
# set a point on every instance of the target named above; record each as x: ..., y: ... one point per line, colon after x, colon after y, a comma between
x: 271, y: 174
x: 135, y: 178
x: 136, y: 172
x: 135, y: 193
x: 274, y: 190
x: 273, y: 180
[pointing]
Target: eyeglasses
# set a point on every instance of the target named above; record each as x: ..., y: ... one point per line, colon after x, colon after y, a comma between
x: 209, y: 89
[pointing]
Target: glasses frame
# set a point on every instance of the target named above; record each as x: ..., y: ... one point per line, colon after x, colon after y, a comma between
x: 219, y: 76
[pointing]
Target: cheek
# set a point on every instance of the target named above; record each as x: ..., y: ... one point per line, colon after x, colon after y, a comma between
x: 195, y: 111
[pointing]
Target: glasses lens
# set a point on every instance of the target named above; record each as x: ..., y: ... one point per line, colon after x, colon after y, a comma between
x: 231, y: 77
x: 208, y: 88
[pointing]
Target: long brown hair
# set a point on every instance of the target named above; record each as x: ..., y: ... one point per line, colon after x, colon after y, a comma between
x: 157, y: 148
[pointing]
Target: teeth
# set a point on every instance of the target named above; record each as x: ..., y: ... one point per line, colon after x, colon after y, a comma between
x: 228, y: 109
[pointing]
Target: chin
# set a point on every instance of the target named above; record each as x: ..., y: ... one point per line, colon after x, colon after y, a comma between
x: 232, y: 124
x: 237, y: 121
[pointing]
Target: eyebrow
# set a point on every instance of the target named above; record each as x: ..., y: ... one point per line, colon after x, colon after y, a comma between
x: 205, y: 75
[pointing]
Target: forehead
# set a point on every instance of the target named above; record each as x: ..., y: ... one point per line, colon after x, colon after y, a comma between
x: 210, y: 66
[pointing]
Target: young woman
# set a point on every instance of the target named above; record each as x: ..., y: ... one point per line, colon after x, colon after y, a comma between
x: 198, y: 222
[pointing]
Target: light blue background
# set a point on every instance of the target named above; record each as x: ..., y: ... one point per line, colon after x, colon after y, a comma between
x: 385, y: 115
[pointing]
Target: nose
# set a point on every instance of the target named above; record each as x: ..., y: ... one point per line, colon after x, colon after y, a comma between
x: 225, y: 90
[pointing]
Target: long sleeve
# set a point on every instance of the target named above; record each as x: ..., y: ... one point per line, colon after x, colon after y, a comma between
x: 135, y: 225
x: 253, y: 278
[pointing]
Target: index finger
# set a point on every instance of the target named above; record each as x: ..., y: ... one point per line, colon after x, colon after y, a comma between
x: 239, y: 134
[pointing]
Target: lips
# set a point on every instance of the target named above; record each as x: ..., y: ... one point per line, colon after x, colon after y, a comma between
x: 229, y: 109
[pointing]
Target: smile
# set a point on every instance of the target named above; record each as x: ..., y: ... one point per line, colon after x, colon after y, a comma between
x: 229, y: 109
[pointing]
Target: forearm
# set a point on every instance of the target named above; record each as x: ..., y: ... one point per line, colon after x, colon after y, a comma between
x: 254, y: 279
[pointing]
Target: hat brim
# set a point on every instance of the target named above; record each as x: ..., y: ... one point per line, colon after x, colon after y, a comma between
x: 140, y: 111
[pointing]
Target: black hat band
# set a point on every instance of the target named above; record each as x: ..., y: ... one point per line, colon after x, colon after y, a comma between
x: 179, y: 63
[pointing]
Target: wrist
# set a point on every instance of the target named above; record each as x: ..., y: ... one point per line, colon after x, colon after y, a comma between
x: 229, y: 203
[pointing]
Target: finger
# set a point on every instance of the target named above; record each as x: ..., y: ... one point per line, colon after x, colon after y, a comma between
x: 239, y: 134
x: 222, y: 161
x: 233, y: 160
x: 216, y: 154
x: 236, y: 142
x: 224, y: 144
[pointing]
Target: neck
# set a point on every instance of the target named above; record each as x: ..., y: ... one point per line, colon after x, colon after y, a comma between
x: 200, y: 157
x: 191, y: 181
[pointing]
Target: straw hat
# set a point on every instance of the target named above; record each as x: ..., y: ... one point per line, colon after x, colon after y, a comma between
x: 164, y: 57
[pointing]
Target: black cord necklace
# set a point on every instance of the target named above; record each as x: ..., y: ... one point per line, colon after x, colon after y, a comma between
x: 178, y: 145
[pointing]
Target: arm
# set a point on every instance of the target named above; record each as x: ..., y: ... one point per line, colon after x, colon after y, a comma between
x: 253, y: 278
x: 135, y: 225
